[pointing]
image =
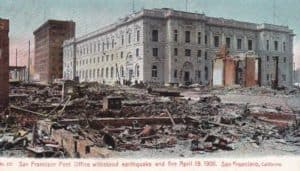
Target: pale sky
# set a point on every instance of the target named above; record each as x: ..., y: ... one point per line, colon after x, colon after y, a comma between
x: 27, y: 15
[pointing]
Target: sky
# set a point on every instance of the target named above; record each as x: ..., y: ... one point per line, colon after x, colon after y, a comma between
x: 27, y: 15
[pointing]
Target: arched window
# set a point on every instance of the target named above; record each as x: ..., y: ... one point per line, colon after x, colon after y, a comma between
x: 102, y: 72
x: 206, y: 73
x: 137, y: 70
x: 106, y: 73
x: 154, y: 71
x: 112, y: 72
x: 122, y: 71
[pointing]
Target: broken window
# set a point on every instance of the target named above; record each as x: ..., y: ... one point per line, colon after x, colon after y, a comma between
x: 275, y: 45
x: 216, y: 41
x: 175, y: 35
x: 187, y: 52
x: 268, y: 45
x: 155, y: 35
x: 187, y: 36
x: 155, y: 52
x: 175, y: 73
x: 154, y: 71
x: 228, y: 42
x: 175, y: 51
x: 250, y: 45
x: 138, y: 36
x: 199, y: 38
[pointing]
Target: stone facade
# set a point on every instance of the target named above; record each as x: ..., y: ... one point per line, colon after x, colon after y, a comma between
x: 48, y: 48
x: 4, y: 63
x: 169, y: 46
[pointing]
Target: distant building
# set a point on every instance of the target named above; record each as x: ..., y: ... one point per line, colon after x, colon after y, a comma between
x: 168, y: 46
x: 4, y: 63
x: 48, y: 48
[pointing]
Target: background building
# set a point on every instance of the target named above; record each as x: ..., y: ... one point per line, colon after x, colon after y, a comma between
x: 48, y: 48
x: 168, y: 46
x: 4, y: 60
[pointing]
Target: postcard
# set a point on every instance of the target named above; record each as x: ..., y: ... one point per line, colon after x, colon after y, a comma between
x: 149, y: 85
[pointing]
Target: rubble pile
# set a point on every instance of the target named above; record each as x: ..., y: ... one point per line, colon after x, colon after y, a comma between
x: 90, y: 119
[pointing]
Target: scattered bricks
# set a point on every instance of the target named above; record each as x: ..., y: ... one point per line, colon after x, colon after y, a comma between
x: 147, y: 131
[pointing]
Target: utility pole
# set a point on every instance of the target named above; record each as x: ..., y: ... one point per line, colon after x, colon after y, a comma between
x: 186, y: 5
x: 274, y: 11
x: 16, y: 71
x: 133, y: 6
x: 28, y: 69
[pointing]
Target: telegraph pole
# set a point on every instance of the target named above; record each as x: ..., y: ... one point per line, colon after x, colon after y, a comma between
x: 16, y: 71
x: 28, y: 69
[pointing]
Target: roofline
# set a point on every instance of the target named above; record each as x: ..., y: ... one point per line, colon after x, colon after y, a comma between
x: 48, y: 22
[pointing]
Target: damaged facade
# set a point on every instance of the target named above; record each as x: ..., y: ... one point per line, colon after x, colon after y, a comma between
x: 48, y: 51
x: 4, y: 63
x: 168, y: 46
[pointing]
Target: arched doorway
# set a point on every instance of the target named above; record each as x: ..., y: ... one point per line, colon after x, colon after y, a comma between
x: 187, y: 71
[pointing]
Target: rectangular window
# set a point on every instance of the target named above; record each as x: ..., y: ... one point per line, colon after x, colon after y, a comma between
x: 138, y: 36
x: 205, y: 55
x: 239, y: 44
x: 228, y: 42
x: 216, y: 41
x: 129, y: 38
x: 187, y: 52
x: 250, y: 45
x: 102, y: 46
x: 284, y: 60
x: 112, y: 57
x: 155, y: 51
x: 205, y: 39
x: 283, y: 44
x: 175, y: 73
x: 268, y: 45
x: 122, y: 39
x: 112, y: 43
x: 187, y: 36
x: 199, y: 38
x: 137, y: 52
x: 175, y: 51
x: 155, y: 35
x: 121, y: 55
x: 199, y: 53
x: 283, y: 77
x: 276, y: 45
x: 268, y: 58
x: 175, y: 35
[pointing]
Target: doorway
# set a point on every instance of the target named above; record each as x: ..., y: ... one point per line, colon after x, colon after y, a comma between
x: 186, y: 76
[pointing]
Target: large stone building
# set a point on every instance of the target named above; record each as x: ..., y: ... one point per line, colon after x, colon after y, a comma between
x: 4, y: 63
x: 49, y: 38
x: 168, y: 46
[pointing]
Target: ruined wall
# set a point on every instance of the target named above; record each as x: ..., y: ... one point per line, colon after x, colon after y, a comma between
x: 4, y: 63
x: 229, y: 72
x: 249, y: 72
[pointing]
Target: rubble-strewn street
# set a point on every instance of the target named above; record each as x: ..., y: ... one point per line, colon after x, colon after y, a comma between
x: 69, y: 119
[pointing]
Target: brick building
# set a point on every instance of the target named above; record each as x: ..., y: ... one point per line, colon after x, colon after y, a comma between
x: 4, y: 63
x: 49, y: 38
x: 168, y: 46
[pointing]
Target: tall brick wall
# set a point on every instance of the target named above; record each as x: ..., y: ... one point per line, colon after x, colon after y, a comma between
x: 249, y: 72
x: 4, y: 63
